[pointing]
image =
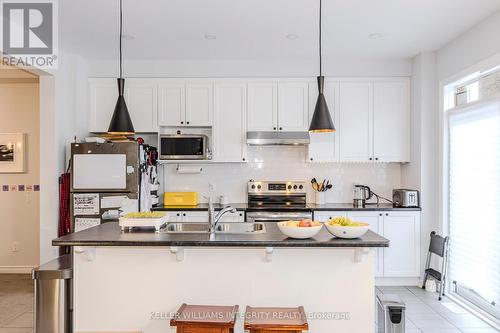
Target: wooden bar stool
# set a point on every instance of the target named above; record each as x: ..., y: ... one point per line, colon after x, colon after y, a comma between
x: 205, y: 319
x: 271, y: 320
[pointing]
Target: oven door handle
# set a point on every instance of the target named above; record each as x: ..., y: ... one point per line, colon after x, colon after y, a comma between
x: 284, y: 216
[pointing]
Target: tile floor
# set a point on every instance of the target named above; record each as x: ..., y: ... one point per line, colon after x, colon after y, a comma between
x: 424, y: 313
x: 16, y: 303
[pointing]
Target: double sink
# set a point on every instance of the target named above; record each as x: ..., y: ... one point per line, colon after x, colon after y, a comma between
x: 220, y: 228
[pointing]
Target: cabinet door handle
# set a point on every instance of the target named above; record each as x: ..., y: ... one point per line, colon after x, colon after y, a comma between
x: 243, y: 159
x: 182, y: 123
x: 386, y: 214
x: 380, y: 214
x: 187, y: 122
x: 274, y: 128
x: 311, y: 158
x: 241, y: 214
x: 184, y: 214
x: 281, y: 128
x: 178, y: 214
x: 376, y: 158
x: 371, y: 159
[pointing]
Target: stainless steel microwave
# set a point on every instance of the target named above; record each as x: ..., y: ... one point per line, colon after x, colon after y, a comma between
x: 184, y: 147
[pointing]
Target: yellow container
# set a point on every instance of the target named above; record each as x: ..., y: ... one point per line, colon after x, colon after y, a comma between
x: 180, y: 198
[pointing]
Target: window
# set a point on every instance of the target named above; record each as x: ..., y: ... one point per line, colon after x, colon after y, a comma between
x: 474, y: 203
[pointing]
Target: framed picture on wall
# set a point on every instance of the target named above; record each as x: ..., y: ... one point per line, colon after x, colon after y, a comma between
x: 12, y: 152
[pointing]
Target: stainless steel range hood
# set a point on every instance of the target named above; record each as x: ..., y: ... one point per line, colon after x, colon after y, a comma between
x: 277, y: 138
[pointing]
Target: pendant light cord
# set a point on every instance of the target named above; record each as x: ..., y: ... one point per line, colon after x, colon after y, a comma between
x: 121, y: 32
x: 320, y: 41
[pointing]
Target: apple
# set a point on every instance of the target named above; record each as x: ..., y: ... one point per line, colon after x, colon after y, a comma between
x: 305, y: 223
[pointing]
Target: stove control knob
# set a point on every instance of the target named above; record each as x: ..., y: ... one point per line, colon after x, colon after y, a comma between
x: 259, y: 187
x: 253, y: 187
x: 289, y: 187
x: 294, y: 187
x: 301, y: 187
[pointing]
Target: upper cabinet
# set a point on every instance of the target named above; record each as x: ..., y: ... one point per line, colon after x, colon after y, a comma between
x: 293, y: 106
x: 185, y: 103
x: 141, y: 99
x: 171, y: 103
x: 355, y: 121
x: 371, y: 116
x: 199, y: 103
x: 262, y: 106
x: 278, y: 105
x: 391, y: 121
x: 374, y: 120
x: 230, y: 122
x: 324, y: 147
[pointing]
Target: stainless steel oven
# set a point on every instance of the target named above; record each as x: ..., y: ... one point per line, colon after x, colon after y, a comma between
x: 270, y: 216
x: 275, y: 201
x: 184, y: 147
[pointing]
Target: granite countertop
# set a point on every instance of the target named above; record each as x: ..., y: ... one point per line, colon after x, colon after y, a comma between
x: 309, y: 206
x: 110, y: 234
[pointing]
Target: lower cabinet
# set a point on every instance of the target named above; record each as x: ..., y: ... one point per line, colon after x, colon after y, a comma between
x: 402, y: 257
x: 202, y: 216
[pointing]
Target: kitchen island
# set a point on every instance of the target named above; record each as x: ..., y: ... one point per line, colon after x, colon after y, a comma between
x: 133, y: 281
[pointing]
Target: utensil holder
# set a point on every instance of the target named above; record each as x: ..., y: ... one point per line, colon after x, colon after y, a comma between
x: 319, y: 198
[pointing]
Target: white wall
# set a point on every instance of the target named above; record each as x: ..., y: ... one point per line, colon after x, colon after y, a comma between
x: 285, y: 163
x: 423, y: 172
x: 19, y: 212
x: 250, y: 68
x: 470, y: 48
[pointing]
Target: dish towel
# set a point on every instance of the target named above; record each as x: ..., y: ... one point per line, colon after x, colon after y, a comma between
x: 64, y: 204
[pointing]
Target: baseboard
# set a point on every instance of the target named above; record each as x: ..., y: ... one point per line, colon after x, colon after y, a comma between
x: 397, y: 281
x: 16, y: 269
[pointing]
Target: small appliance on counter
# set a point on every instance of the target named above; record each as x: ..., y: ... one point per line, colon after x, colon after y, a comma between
x: 180, y: 198
x: 362, y: 193
x: 405, y: 198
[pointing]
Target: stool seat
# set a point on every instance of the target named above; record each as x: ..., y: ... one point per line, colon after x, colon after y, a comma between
x: 275, y: 319
x: 205, y: 319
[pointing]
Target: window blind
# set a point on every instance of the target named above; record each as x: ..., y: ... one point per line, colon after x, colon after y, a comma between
x: 474, y: 199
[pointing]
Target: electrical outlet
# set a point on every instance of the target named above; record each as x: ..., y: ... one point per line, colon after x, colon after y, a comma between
x: 15, y: 246
x: 211, y: 187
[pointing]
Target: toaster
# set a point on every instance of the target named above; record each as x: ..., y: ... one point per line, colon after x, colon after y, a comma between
x: 405, y: 198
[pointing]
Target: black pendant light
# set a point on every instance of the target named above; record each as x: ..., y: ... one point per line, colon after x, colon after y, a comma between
x: 121, y: 124
x: 321, y: 120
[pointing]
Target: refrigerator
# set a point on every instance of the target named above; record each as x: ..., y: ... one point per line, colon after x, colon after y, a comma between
x: 105, y: 179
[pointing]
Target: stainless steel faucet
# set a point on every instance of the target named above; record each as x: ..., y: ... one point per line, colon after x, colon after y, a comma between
x: 213, y: 218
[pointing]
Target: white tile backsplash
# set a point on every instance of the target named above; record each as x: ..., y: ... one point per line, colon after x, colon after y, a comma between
x: 285, y: 163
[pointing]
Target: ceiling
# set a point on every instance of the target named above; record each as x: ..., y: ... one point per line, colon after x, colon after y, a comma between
x: 257, y: 29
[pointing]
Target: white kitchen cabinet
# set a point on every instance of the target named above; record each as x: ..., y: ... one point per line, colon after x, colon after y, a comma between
x: 199, y: 103
x: 324, y: 147
x: 402, y: 257
x: 140, y: 96
x: 230, y: 123
x: 262, y: 106
x: 324, y: 216
x: 103, y: 96
x: 374, y: 219
x: 374, y: 120
x: 239, y: 216
x: 171, y: 103
x: 401, y: 228
x: 183, y: 216
x: 293, y: 106
x: 355, y: 121
x: 185, y: 103
x: 391, y: 121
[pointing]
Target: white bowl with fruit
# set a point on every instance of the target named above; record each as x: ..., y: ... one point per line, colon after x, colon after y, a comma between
x: 343, y: 227
x: 300, y: 229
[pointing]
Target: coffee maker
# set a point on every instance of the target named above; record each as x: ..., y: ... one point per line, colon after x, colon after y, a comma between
x: 362, y: 193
